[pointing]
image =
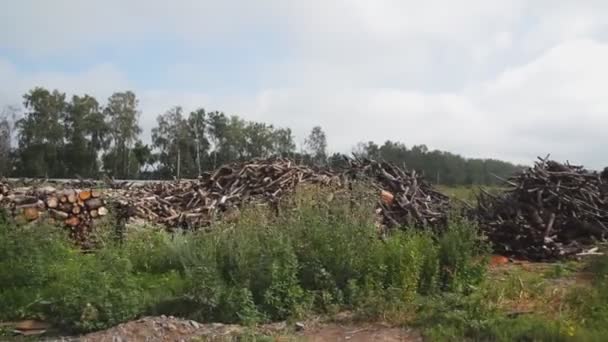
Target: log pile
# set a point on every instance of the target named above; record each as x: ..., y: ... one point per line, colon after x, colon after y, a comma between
x: 406, y: 199
x: 4, y: 190
x: 76, y: 209
x: 189, y: 204
x: 550, y: 211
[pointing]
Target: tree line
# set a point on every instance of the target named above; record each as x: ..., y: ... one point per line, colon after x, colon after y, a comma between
x: 59, y: 137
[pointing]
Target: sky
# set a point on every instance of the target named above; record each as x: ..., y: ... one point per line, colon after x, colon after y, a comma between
x: 511, y: 80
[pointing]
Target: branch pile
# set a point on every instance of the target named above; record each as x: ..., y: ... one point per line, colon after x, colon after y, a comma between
x: 550, y: 211
x: 76, y: 209
x: 406, y: 198
x: 189, y: 204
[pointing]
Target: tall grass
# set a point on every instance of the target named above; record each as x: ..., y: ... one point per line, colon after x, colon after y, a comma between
x: 320, y: 254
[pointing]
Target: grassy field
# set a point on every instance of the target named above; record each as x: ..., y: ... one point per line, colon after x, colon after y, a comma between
x: 320, y: 257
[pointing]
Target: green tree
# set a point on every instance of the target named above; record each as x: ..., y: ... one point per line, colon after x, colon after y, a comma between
x: 259, y: 140
x: 173, y: 138
x: 283, y: 142
x: 86, y: 133
x: 41, y: 134
x: 439, y: 166
x: 8, y: 116
x: 217, y: 126
x: 316, y: 144
x: 197, y: 124
x: 143, y: 156
x: 123, y: 115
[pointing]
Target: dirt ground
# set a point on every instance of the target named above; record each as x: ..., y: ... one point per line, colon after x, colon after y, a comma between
x: 165, y: 328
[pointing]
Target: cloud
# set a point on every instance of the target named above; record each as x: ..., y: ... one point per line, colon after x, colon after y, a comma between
x: 505, y: 79
x: 100, y: 80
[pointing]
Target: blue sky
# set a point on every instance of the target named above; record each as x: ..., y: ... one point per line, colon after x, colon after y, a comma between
x: 484, y: 78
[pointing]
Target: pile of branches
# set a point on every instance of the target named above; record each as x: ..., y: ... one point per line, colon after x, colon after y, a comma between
x: 73, y: 208
x: 406, y: 198
x: 550, y: 211
x: 189, y: 204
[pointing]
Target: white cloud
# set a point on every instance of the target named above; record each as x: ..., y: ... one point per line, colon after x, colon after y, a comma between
x: 507, y: 79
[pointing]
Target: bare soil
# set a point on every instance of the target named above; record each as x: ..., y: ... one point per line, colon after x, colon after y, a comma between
x: 173, y: 329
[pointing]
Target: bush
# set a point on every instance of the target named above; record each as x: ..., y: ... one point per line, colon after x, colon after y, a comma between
x: 462, y: 257
x: 321, y: 253
x: 26, y: 257
x: 94, y: 291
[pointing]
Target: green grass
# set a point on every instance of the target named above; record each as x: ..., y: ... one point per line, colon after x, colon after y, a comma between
x: 321, y: 255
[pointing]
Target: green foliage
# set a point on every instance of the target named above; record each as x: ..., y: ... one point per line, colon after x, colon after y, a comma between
x: 439, y: 166
x: 321, y: 253
x: 453, y: 317
x: 459, y: 249
x: 316, y: 143
x: 92, y: 292
x: 60, y: 138
x: 24, y: 268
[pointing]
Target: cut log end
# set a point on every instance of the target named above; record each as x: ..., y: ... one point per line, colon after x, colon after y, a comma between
x: 102, y: 211
x: 93, y: 203
x: 84, y: 195
x: 31, y: 213
x: 52, y: 202
x: 72, y: 221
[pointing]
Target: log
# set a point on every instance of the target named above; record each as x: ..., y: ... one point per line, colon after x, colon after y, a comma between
x: 31, y: 213
x: 18, y: 200
x: 93, y: 213
x: 52, y: 202
x: 84, y: 195
x: 102, y: 211
x: 76, y: 209
x: 72, y: 197
x: 72, y: 221
x: 59, y: 214
x: 93, y: 203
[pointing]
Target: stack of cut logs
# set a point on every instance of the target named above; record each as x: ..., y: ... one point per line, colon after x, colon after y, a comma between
x: 4, y: 190
x: 189, y: 204
x: 76, y: 209
x: 406, y: 200
x: 551, y: 211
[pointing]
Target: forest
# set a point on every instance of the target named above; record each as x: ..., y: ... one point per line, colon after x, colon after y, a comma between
x: 55, y: 136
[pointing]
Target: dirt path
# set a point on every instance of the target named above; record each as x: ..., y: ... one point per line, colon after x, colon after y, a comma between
x: 173, y: 329
x: 360, y: 333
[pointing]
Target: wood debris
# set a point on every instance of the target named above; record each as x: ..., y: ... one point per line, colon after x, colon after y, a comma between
x: 550, y: 211
x: 49, y: 205
x: 406, y: 199
x: 190, y: 204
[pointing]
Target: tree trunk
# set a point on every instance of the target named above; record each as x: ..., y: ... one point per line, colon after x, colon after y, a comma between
x: 179, y: 160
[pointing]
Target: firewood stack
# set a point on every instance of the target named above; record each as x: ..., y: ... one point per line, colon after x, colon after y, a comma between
x: 76, y: 209
x: 189, y: 204
x: 551, y: 211
x: 406, y: 199
x: 4, y: 190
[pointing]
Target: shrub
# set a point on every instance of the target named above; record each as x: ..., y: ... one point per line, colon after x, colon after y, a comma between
x: 93, y: 291
x: 26, y: 256
x: 321, y: 252
x: 462, y: 257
